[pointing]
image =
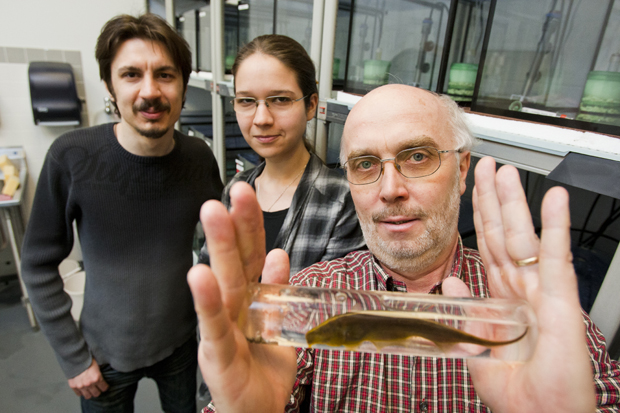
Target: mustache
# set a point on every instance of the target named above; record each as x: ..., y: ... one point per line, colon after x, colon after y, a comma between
x: 155, y: 104
x: 398, y: 211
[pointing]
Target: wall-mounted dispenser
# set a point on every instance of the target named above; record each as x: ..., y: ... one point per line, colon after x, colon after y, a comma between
x: 53, y: 94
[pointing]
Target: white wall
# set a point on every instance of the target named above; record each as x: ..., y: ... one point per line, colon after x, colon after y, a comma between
x: 64, y: 30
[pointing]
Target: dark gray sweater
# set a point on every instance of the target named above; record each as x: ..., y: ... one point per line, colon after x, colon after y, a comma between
x: 136, y: 218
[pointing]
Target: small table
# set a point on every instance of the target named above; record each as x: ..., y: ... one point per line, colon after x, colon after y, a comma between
x: 12, y: 222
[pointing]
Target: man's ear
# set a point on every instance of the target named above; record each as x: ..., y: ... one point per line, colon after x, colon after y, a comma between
x: 464, y: 162
x: 112, y: 98
x: 110, y: 91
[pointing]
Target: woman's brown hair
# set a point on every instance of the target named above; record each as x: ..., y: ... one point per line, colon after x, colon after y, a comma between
x: 290, y: 53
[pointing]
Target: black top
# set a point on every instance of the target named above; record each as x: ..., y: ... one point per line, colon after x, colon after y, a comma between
x: 273, y: 223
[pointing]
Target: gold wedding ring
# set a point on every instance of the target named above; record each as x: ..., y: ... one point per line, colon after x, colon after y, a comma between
x: 526, y: 262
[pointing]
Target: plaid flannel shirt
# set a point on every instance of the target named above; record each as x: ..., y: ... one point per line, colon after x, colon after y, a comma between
x: 343, y: 381
x: 321, y: 223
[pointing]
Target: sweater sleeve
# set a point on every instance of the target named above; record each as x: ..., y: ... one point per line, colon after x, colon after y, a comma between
x: 47, y: 241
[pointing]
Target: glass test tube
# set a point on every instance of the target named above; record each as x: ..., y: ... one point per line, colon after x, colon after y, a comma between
x: 389, y: 322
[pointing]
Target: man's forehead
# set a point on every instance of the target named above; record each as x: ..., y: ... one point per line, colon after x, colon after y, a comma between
x: 392, y: 134
x: 133, y: 52
x: 395, y: 116
x: 383, y: 146
x: 402, y: 98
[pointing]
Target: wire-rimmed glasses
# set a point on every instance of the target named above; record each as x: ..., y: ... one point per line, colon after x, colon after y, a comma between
x: 246, y: 106
x: 411, y: 163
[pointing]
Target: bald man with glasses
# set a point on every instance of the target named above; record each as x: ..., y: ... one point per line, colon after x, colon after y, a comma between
x: 406, y: 153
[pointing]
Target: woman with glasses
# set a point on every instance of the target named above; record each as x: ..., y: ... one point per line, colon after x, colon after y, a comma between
x: 307, y: 207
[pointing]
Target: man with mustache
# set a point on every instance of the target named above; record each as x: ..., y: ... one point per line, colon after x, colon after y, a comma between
x: 406, y: 153
x: 134, y: 189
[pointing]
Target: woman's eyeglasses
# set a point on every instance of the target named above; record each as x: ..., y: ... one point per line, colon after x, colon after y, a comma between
x: 246, y: 106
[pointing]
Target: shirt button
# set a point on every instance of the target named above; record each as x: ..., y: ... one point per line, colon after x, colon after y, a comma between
x: 423, y: 407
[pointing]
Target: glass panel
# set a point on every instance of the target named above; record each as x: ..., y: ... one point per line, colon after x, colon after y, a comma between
x: 186, y: 25
x: 234, y: 35
x: 606, y: 69
x: 609, y: 55
x: 294, y: 19
x: 232, y: 40
x: 157, y: 7
x: 550, y: 61
x: 341, y: 45
x: 204, y: 39
x: 255, y: 20
x: 244, y: 22
x: 465, y: 49
x: 334, y: 135
x: 396, y: 41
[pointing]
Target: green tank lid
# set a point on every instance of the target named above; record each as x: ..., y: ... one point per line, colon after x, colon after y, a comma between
x: 600, y: 75
x: 464, y: 66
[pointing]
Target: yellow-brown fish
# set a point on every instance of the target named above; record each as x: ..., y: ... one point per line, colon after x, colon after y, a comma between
x: 352, y: 329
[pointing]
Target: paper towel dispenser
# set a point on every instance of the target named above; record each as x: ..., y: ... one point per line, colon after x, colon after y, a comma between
x: 53, y: 94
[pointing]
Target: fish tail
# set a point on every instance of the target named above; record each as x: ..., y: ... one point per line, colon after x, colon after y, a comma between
x: 504, y: 343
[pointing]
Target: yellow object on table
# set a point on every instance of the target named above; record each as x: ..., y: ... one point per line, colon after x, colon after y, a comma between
x: 11, y: 183
x: 4, y: 160
x: 11, y: 176
x: 9, y: 170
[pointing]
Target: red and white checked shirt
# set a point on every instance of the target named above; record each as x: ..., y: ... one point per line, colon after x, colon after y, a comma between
x: 343, y: 381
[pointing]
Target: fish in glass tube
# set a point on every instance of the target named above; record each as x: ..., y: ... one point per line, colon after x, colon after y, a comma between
x: 385, y: 328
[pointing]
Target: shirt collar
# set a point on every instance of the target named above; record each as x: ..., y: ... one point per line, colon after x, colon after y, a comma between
x: 386, y: 282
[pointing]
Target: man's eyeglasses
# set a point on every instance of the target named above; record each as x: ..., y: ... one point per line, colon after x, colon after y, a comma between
x: 246, y: 106
x: 411, y: 163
